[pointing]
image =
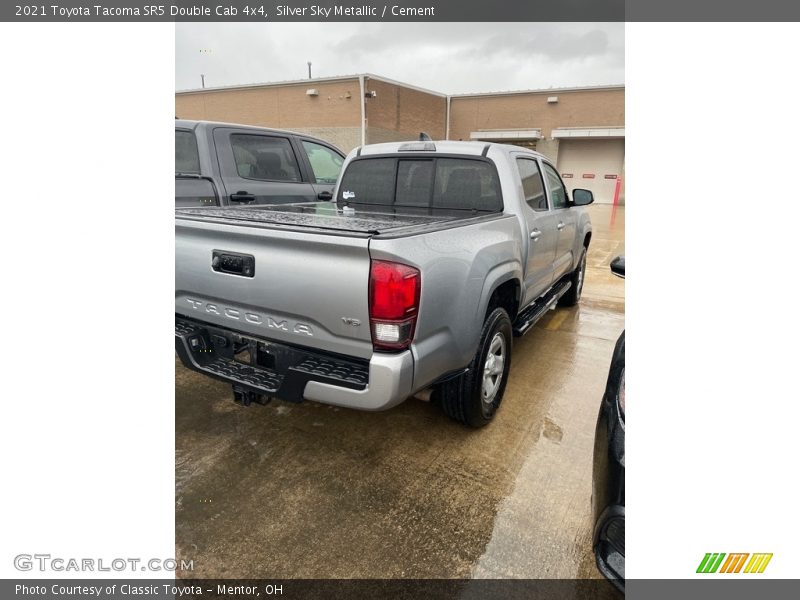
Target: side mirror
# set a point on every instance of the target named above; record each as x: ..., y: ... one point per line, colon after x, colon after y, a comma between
x: 582, y: 197
x: 618, y: 266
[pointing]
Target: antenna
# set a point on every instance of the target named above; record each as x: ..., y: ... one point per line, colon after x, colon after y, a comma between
x: 424, y: 137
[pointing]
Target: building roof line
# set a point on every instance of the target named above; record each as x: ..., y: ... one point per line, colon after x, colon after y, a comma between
x: 405, y: 85
x: 588, y: 88
x: 355, y: 77
x: 311, y: 81
x: 223, y: 88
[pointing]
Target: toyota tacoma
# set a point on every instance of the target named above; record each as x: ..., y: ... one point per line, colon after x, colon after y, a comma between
x: 416, y: 279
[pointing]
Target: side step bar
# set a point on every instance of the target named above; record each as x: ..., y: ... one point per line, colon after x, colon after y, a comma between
x: 535, y: 311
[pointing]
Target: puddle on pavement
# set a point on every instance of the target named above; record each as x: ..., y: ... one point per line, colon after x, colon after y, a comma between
x: 551, y: 431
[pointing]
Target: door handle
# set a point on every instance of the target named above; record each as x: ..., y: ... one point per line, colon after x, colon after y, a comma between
x: 326, y: 195
x: 242, y: 197
x: 561, y: 226
x: 535, y: 234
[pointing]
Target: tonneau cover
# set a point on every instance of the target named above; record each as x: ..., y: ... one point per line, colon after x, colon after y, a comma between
x: 326, y: 216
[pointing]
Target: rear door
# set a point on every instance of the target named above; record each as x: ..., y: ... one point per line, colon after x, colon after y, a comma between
x: 194, y: 191
x: 324, y: 164
x: 566, y: 221
x: 541, y: 227
x: 261, y: 168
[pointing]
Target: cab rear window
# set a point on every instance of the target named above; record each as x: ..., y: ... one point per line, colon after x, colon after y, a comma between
x: 417, y: 182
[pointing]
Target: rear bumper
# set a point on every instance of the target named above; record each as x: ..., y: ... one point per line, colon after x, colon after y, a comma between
x: 291, y: 373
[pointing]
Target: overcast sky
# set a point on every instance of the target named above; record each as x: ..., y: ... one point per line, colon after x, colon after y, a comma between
x: 450, y: 58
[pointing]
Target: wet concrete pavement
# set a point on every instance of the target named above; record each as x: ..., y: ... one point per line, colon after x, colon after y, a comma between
x: 308, y: 490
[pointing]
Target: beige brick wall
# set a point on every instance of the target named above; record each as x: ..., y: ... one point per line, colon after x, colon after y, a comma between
x: 405, y: 111
x: 379, y: 135
x: 591, y: 108
x: 399, y: 113
x: 283, y: 107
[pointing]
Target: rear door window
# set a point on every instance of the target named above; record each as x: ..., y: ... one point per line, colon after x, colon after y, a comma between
x: 532, y: 183
x: 558, y: 193
x: 265, y: 158
x: 423, y: 182
x: 187, y: 159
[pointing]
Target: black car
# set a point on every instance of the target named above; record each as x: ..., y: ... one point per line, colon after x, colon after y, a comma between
x: 608, y: 480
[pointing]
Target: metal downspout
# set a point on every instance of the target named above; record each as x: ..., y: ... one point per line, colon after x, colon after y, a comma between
x: 363, y: 110
x: 447, y: 124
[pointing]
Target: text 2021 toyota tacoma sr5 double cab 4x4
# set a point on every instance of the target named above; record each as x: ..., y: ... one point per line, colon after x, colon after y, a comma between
x: 432, y: 258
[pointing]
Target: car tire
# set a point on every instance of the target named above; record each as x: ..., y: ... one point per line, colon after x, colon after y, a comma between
x: 474, y: 397
x: 577, y: 278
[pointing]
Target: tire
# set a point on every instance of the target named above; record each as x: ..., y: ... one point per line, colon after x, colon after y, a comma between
x: 577, y: 277
x: 474, y: 397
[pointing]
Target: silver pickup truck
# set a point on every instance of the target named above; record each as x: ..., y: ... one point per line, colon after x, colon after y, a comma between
x: 413, y: 280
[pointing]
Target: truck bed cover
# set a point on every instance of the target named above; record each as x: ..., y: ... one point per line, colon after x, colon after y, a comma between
x: 326, y: 217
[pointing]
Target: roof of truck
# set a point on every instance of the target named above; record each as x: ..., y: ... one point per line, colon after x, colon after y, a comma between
x: 443, y: 147
x: 193, y: 124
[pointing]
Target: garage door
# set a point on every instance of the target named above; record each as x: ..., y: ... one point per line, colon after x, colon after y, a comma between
x: 593, y: 165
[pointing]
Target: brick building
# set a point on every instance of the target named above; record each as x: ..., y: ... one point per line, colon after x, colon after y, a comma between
x: 581, y: 129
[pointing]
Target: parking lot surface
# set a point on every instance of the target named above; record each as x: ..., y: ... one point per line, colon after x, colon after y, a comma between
x: 307, y: 490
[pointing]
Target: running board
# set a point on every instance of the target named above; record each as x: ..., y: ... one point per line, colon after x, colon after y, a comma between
x: 532, y: 313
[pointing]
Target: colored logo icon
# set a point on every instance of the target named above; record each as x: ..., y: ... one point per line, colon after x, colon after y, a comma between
x: 734, y: 563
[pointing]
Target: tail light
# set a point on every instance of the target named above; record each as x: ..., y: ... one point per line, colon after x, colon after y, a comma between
x: 393, y: 304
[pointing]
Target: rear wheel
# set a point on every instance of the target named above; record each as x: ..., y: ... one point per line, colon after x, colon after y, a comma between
x: 577, y: 277
x: 473, y: 398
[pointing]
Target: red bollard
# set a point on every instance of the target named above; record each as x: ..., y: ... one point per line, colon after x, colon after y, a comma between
x: 616, y: 201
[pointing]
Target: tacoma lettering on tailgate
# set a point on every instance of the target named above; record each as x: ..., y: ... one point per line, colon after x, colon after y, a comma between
x: 250, y: 317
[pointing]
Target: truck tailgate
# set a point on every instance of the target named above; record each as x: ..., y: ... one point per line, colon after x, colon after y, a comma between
x: 306, y: 289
